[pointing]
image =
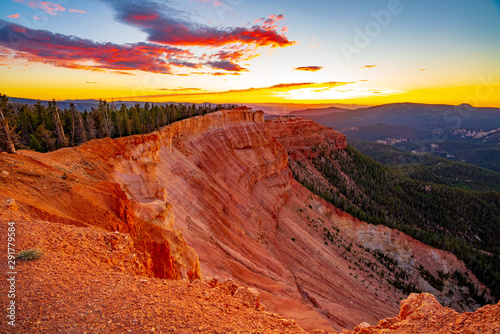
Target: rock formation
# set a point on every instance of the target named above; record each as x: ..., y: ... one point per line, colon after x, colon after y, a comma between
x: 424, y: 315
x: 218, y: 188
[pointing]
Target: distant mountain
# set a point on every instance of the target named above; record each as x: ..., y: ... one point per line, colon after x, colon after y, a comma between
x: 293, y: 108
x: 82, y: 105
x: 462, y: 133
x: 419, y: 116
x: 318, y: 112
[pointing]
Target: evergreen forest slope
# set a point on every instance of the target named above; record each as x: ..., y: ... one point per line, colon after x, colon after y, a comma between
x: 464, y: 222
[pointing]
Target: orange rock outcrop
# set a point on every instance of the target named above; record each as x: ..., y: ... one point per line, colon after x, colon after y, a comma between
x: 421, y: 313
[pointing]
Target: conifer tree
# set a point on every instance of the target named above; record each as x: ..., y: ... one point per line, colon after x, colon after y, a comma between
x: 44, y: 137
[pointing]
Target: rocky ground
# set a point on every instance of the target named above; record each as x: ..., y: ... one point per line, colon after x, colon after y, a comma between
x: 90, y: 281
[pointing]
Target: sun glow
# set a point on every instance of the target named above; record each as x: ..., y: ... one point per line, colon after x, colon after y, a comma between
x: 331, y: 94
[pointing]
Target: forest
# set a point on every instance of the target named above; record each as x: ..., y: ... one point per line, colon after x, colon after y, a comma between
x: 461, y: 221
x: 46, y: 128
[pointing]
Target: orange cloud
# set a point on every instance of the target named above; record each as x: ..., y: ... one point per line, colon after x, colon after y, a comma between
x: 123, y: 73
x: 15, y: 16
x: 215, y: 74
x: 309, y: 68
x: 368, y: 66
x: 261, y: 94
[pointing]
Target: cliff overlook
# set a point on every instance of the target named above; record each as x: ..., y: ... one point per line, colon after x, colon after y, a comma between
x: 214, y: 196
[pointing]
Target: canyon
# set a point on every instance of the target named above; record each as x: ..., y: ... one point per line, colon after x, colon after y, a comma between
x: 211, y: 199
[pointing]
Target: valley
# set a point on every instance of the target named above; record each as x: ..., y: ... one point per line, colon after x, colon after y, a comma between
x: 460, y: 133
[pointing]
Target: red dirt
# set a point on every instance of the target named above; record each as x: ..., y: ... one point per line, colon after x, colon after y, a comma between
x: 92, y: 281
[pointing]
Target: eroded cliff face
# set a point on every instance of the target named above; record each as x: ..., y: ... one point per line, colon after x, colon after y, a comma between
x: 404, y: 261
x: 221, y: 184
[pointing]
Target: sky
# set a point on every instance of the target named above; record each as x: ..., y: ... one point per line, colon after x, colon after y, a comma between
x: 360, y: 52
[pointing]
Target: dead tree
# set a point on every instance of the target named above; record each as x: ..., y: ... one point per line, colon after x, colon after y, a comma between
x: 6, y: 142
x: 62, y: 141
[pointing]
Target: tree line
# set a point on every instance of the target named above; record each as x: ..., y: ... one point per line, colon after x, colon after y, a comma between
x: 47, y: 127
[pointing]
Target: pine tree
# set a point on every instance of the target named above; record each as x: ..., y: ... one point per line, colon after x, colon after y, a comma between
x: 27, y: 123
x: 44, y: 138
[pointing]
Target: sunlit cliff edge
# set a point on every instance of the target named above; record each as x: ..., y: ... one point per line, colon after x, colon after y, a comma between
x: 213, y: 196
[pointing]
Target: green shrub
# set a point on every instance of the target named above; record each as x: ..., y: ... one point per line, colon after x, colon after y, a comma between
x: 30, y: 254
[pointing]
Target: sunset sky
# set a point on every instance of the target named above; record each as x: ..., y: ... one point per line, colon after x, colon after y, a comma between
x: 362, y: 52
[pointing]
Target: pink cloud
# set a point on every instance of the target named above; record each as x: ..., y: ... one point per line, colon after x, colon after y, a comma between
x: 77, y: 53
x: 44, y: 6
x: 170, y: 35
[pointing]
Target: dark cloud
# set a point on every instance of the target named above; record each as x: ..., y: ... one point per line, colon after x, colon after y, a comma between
x: 225, y: 65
